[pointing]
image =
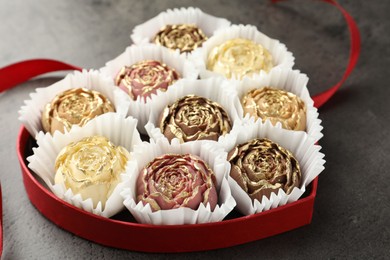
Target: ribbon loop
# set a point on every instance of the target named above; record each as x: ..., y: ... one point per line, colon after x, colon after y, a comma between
x: 20, y: 72
x: 323, y: 97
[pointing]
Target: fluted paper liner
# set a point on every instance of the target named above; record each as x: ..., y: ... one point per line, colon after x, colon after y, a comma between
x: 289, y: 80
x: 119, y: 130
x: 144, y: 33
x: 139, y: 108
x: 301, y: 145
x: 215, y: 89
x: 211, y: 154
x: 281, y: 56
x: 31, y: 112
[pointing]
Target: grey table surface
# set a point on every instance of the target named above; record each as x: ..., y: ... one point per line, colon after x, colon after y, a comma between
x: 352, y: 210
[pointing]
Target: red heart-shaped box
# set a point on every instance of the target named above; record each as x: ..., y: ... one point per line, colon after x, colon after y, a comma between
x: 152, y: 238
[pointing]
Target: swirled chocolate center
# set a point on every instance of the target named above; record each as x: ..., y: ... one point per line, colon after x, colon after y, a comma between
x: 185, y: 37
x: 261, y: 167
x: 194, y: 118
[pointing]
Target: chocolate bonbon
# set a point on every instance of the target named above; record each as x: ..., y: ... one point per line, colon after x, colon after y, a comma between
x: 74, y: 107
x: 276, y: 105
x: 239, y: 57
x: 91, y: 167
x: 185, y: 37
x: 145, y: 77
x: 194, y: 118
x: 261, y: 166
x: 172, y: 181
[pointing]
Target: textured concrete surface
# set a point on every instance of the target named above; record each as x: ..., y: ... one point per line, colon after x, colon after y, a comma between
x: 351, y: 217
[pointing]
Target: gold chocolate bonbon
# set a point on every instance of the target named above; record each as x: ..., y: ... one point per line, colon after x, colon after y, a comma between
x: 194, y: 118
x: 74, y: 107
x: 185, y: 37
x: 276, y: 105
x: 91, y: 167
x: 261, y: 166
x: 239, y: 57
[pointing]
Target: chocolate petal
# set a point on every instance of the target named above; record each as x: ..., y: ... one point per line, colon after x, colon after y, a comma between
x: 206, y: 136
x: 211, y: 196
x: 194, y: 200
x: 237, y: 175
x: 171, y: 132
x: 264, y: 191
x: 162, y: 201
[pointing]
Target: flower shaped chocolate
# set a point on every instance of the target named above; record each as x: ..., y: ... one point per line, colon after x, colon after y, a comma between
x: 238, y: 58
x: 74, y: 107
x: 261, y: 167
x: 145, y: 77
x: 91, y: 167
x: 177, y: 180
x: 185, y: 37
x: 277, y: 106
x: 194, y: 118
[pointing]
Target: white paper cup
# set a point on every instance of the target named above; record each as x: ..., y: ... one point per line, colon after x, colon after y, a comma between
x: 119, y: 130
x: 212, y: 155
x: 140, y: 108
x: 30, y: 114
x: 289, y: 80
x: 281, y: 56
x: 144, y: 33
x: 301, y: 145
x: 215, y: 89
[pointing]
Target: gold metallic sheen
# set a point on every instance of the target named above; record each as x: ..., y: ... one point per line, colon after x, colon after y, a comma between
x: 91, y: 167
x: 261, y: 166
x: 145, y: 77
x: 276, y: 105
x: 74, y: 107
x: 239, y: 57
x: 185, y: 37
x: 194, y: 118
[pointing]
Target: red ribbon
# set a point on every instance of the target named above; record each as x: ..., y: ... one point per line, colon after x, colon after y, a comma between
x: 1, y: 223
x: 20, y: 72
x: 322, y: 98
